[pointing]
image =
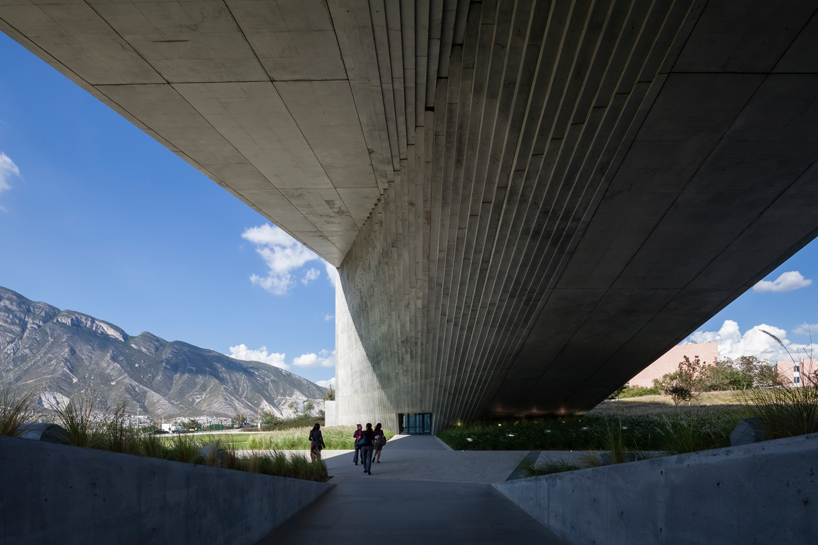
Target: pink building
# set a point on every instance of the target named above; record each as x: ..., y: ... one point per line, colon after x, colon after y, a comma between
x: 798, y: 373
x: 669, y: 363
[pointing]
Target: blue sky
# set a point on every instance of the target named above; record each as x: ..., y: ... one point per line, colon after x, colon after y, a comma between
x: 97, y: 217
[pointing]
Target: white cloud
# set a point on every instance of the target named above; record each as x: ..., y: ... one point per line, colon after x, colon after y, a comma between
x: 754, y: 342
x: 7, y: 170
x: 807, y: 329
x: 326, y: 383
x: 241, y: 352
x: 282, y: 254
x: 329, y: 317
x: 310, y: 275
x: 324, y: 358
x: 332, y: 275
x: 268, y: 235
x: 788, y: 281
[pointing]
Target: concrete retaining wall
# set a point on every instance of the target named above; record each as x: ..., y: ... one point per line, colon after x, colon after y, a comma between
x: 765, y: 493
x: 59, y: 494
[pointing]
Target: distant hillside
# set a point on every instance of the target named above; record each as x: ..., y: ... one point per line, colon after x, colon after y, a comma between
x: 59, y: 354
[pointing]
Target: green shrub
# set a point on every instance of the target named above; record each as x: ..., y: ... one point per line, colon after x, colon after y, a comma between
x: 638, y: 391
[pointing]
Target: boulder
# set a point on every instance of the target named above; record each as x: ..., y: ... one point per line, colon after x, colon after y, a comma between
x: 747, y: 431
x: 212, y: 453
x: 43, y: 431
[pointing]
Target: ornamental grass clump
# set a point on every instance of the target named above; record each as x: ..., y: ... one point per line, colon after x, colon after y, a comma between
x: 786, y: 410
x: 15, y: 410
x: 335, y: 438
x: 75, y: 417
x: 115, y: 436
x: 184, y: 448
x: 691, y: 432
x: 549, y: 467
x: 151, y: 445
x: 615, y: 442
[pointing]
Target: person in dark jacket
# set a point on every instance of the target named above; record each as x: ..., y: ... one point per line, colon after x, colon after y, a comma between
x: 366, y: 450
x: 380, y: 441
x: 355, y: 437
x: 316, y: 442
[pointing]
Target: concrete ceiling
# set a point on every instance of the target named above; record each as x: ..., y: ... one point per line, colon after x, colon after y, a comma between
x: 253, y: 94
x: 531, y: 199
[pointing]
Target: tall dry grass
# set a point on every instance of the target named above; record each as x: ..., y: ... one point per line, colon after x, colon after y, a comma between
x: 16, y: 408
x: 75, y: 417
x: 785, y: 411
x: 335, y: 438
x: 788, y: 410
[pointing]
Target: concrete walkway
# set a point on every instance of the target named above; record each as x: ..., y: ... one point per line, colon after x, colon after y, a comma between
x: 421, y: 492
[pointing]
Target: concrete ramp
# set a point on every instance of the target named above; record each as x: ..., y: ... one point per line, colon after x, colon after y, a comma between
x: 421, y: 493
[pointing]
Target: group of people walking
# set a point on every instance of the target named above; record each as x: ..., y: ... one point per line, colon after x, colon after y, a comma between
x: 368, y: 443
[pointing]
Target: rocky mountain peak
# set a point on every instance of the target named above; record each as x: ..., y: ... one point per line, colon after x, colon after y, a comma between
x: 60, y: 354
x: 75, y: 319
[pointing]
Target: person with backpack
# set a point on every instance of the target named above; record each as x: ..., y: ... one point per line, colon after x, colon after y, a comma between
x: 316, y: 442
x: 380, y: 441
x: 366, y: 441
x: 355, y: 437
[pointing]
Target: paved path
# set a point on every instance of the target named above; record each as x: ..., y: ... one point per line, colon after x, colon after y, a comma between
x: 421, y: 492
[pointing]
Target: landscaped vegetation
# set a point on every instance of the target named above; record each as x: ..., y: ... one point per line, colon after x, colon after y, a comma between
x: 683, y: 412
x: 112, y: 434
x: 336, y: 438
x: 676, y: 433
x: 694, y: 377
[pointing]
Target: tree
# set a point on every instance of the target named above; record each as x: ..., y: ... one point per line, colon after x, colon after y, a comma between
x: 676, y: 385
x: 192, y: 424
x: 723, y: 375
x: 683, y: 384
x: 330, y: 394
x: 268, y: 418
x: 618, y: 392
x: 767, y: 376
x: 308, y: 406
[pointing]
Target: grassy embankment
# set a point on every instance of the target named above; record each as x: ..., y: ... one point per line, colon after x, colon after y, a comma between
x: 112, y: 434
x: 649, y: 423
x: 336, y: 438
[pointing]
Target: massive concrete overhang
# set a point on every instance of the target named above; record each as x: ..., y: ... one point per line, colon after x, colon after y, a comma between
x: 529, y: 201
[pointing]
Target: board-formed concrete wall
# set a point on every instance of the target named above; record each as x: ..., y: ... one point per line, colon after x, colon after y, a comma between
x: 761, y: 493
x: 60, y: 494
x: 587, y: 184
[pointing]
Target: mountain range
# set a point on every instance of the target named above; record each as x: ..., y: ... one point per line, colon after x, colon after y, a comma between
x: 58, y: 354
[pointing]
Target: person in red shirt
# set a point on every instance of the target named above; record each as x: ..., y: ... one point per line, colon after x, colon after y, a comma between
x: 355, y: 437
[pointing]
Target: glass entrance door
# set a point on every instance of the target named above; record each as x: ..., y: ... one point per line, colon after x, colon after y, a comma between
x: 415, y: 423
